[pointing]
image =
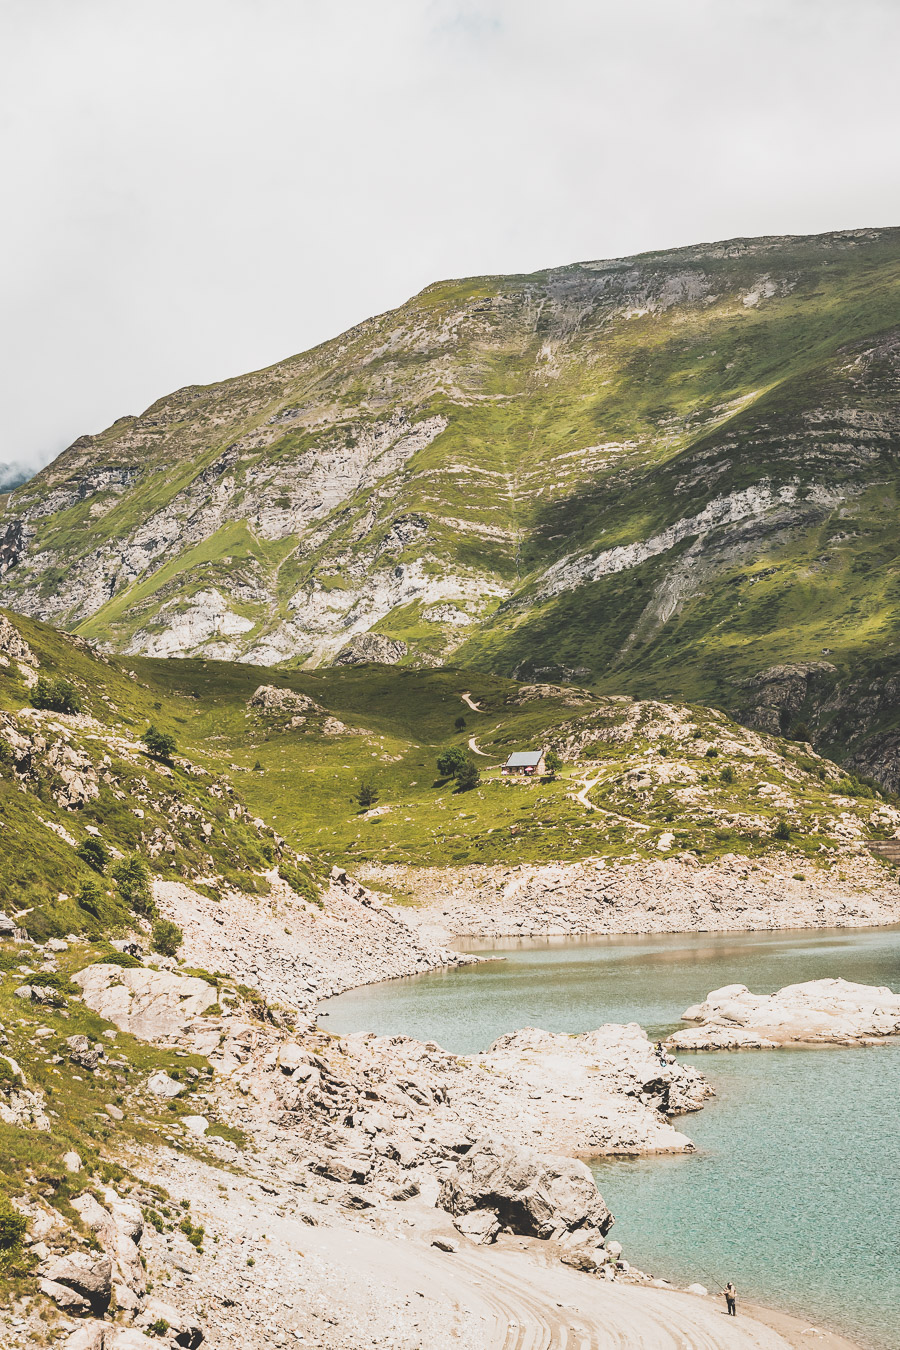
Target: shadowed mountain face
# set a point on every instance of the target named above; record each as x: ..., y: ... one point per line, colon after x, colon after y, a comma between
x: 663, y: 474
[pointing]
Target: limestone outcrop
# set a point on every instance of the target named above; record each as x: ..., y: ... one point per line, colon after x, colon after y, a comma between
x: 152, y: 1004
x: 272, y: 701
x: 835, y: 1011
x: 371, y: 647
x: 527, y: 1192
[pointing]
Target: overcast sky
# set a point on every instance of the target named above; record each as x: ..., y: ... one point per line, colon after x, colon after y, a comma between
x: 196, y: 188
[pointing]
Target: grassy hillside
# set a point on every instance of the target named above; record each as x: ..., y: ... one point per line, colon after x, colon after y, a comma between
x: 253, y: 788
x: 661, y: 475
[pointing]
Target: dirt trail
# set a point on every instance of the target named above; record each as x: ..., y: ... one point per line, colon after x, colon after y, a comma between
x: 474, y: 706
x: 358, y: 1281
x: 474, y: 748
x: 587, y: 784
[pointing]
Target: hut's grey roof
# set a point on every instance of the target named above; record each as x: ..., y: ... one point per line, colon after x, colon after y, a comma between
x: 524, y: 759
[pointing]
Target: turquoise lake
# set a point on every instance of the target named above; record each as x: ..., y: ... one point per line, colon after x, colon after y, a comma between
x: 794, y: 1191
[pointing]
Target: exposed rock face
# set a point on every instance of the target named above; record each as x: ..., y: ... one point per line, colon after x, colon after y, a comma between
x: 371, y: 647
x: 88, y: 1275
x: 20, y: 1105
x: 833, y: 1011
x: 272, y: 701
x: 673, y: 895
x: 606, y: 1091
x: 353, y: 939
x: 527, y: 1192
x: 775, y: 698
x: 152, y: 1004
x: 13, y: 646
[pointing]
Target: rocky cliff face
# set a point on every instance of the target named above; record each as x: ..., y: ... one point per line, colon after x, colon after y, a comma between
x: 668, y: 472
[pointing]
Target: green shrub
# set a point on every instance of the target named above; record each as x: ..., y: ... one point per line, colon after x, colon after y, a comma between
x: 366, y: 795
x: 13, y: 1225
x: 159, y: 1327
x: 449, y: 762
x: 712, y: 753
x: 9, y: 1079
x: 553, y: 761
x: 90, y: 897
x: 56, y: 695
x: 166, y: 937
x: 194, y: 1234
x: 727, y: 774
x: 133, y: 880
x: 782, y: 831
x: 93, y: 852
x: 123, y: 959
x: 301, y: 880
x: 468, y: 777
x: 460, y: 724
x: 159, y: 743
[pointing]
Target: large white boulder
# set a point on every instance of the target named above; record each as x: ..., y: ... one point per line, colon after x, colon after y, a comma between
x: 835, y: 1011
x: 152, y: 1004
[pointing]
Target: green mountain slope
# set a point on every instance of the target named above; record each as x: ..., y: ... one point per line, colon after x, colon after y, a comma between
x: 663, y: 474
x: 273, y: 780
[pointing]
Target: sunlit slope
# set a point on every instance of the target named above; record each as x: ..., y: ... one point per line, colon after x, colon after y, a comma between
x: 639, y: 779
x: 670, y: 470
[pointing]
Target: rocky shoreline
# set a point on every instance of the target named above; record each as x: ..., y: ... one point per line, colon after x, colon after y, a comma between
x: 673, y: 895
x: 369, y: 1191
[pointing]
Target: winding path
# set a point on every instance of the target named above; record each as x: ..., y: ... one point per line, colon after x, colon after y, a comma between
x: 474, y: 748
x: 587, y: 784
x: 468, y: 701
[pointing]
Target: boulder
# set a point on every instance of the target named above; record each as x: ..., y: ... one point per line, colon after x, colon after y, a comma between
x: 819, y: 1011
x: 186, y: 1331
x: 197, y: 1125
x: 371, y: 647
x: 82, y: 1052
x: 270, y: 700
x: 65, y: 1297
x: 151, y: 1004
x: 161, y: 1085
x: 343, y: 1167
x: 90, y: 1336
x: 527, y: 1192
x: 88, y: 1274
x: 479, y: 1225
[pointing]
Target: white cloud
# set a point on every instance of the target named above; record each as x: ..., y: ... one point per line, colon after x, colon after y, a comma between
x: 194, y: 188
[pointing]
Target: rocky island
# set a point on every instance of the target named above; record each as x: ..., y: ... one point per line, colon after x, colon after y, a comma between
x: 819, y: 1012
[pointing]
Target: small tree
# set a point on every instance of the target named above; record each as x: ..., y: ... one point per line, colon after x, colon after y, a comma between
x: 450, y: 761
x: 460, y: 724
x: 13, y: 1226
x: 159, y: 743
x: 56, y: 695
x: 133, y: 880
x: 367, y: 795
x: 468, y: 776
x: 782, y: 831
x: 166, y: 937
x: 727, y: 774
x: 553, y: 761
x: 90, y: 897
x: 94, y: 854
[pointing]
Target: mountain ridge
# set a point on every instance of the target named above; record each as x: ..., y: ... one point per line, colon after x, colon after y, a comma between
x: 664, y: 473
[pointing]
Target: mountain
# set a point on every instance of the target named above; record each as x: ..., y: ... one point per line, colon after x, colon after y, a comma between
x: 673, y: 474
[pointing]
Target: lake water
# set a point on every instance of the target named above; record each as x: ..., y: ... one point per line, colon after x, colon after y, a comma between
x: 794, y: 1192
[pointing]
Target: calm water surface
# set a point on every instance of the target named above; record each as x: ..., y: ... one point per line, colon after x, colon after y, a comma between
x: 794, y: 1192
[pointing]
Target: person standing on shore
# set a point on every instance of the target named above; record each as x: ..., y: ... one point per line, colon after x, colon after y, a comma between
x: 730, y: 1299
